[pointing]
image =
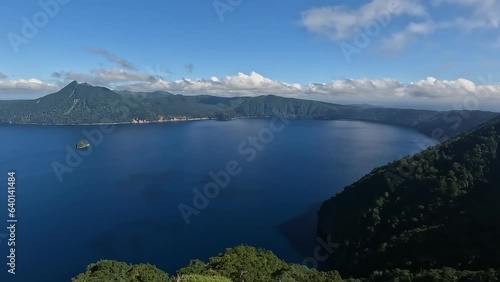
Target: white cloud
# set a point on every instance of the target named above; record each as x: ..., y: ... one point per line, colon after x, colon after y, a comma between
x: 483, y: 13
x: 495, y: 44
x: 434, y: 88
x: 26, y: 86
x: 239, y: 84
x: 397, y: 41
x: 430, y: 88
x: 479, y: 14
x: 107, y: 77
x: 340, y: 22
x: 358, y: 88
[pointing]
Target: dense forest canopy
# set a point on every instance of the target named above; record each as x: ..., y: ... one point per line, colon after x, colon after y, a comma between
x: 436, y: 209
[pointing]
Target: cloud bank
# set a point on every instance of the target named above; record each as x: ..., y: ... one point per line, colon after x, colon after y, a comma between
x: 255, y: 84
x: 25, y: 88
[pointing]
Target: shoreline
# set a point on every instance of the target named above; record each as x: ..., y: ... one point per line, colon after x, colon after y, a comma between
x: 109, y: 123
x: 138, y: 123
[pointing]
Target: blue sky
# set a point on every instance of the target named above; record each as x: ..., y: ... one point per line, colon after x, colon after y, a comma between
x: 413, y: 50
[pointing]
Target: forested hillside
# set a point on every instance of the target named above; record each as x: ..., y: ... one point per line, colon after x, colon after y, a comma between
x: 436, y: 209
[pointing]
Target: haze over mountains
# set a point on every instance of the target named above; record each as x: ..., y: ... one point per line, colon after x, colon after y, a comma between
x: 82, y: 103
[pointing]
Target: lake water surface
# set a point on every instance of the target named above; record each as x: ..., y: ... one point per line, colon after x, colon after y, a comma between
x: 121, y: 202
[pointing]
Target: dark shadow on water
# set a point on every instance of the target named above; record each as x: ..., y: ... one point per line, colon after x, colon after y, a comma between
x: 151, y: 186
x: 301, y: 233
x: 101, y: 245
x: 301, y: 230
x: 152, y: 192
x: 132, y: 237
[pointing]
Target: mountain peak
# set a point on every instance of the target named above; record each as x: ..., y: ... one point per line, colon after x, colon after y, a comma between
x: 71, y: 86
x: 75, y: 83
x: 72, y: 83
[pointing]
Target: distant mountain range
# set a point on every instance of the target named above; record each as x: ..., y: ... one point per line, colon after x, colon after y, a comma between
x: 81, y: 103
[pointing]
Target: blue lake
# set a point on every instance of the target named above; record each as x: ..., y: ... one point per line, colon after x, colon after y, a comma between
x: 121, y: 201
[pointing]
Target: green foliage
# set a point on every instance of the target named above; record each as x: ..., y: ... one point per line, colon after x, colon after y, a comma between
x: 195, y: 267
x: 107, y: 270
x: 441, y: 275
x: 436, y: 209
x: 242, y: 263
x: 82, y: 144
x: 301, y: 273
x: 239, y: 264
x: 201, y: 278
x: 245, y: 263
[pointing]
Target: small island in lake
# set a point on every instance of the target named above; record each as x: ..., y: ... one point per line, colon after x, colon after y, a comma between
x: 82, y: 144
